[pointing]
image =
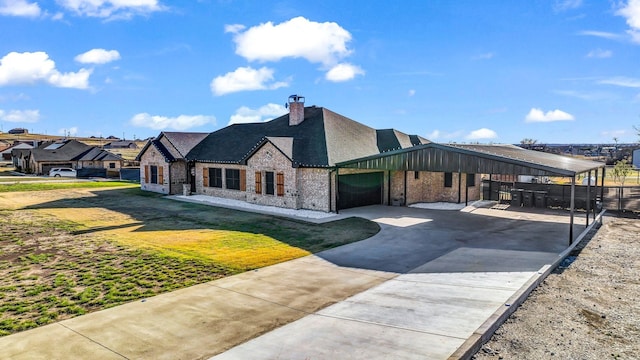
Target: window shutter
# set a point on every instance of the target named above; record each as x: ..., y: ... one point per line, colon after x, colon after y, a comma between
x: 243, y: 180
x: 258, y: 182
x: 146, y: 174
x: 205, y: 177
x: 280, y: 184
x: 160, y: 175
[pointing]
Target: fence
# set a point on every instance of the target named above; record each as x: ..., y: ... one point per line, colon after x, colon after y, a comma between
x: 620, y: 198
x: 130, y: 174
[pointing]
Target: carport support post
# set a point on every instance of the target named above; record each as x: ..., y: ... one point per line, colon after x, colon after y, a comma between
x: 573, y: 197
x: 588, y: 198
x: 604, y: 170
x: 459, y: 187
x: 595, y: 198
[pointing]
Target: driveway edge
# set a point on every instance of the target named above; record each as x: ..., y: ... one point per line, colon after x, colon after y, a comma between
x: 474, y: 343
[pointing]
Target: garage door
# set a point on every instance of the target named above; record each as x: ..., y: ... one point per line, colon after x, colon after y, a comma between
x: 360, y: 190
x: 47, y: 167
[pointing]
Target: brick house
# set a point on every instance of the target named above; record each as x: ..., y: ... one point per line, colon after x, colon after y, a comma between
x: 291, y: 162
x: 163, y: 164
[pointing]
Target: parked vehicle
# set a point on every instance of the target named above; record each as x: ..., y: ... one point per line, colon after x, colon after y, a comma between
x: 65, y: 172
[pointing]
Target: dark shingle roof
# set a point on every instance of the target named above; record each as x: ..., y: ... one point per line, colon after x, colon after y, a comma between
x: 184, y: 141
x: 323, y: 139
x: 60, y: 151
x: 96, y: 154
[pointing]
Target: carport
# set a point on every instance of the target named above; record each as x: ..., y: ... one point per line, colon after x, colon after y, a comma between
x: 483, y: 159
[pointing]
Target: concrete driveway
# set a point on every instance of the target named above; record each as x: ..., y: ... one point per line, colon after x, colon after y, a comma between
x: 454, y: 270
x: 417, y: 290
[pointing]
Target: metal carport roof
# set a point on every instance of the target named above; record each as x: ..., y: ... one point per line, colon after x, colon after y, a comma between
x: 475, y: 159
x: 481, y: 159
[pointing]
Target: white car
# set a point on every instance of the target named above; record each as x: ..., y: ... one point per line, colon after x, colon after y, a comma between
x: 66, y: 172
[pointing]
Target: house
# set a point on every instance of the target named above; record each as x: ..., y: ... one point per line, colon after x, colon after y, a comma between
x: 291, y: 162
x: 124, y: 144
x: 64, y: 153
x: 6, y: 153
x: 18, y: 131
x: 163, y: 164
x: 97, y: 158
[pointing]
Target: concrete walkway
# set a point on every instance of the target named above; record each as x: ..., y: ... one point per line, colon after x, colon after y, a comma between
x: 418, y: 289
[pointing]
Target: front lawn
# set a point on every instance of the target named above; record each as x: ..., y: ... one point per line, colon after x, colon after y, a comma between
x: 68, y: 252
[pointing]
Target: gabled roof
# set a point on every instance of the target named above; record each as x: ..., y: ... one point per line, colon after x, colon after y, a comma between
x: 475, y: 159
x: 323, y: 139
x: 96, y: 154
x: 16, y: 147
x: 65, y: 150
x: 182, y: 143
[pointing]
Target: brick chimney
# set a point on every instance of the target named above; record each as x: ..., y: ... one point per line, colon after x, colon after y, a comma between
x: 296, y: 109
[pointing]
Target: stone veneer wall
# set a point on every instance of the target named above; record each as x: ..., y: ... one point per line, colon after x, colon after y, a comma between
x: 429, y: 187
x: 269, y: 158
x: 153, y: 157
x: 178, y: 176
x: 314, y: 189
x: 219, y: 192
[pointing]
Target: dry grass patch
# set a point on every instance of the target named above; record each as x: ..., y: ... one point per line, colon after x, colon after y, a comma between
x: 68, y: 252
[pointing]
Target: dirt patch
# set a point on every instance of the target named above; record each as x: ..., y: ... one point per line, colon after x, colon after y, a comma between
x: 586, y: 310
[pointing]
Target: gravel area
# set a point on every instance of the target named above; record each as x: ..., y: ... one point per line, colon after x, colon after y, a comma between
x: 586, y: 309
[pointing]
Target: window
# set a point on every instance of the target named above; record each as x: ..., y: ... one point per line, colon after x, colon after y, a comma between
x: 258, y: 182
x: 269, y: 182
x: 111, y: 165
x: 154, y: 174
x: 215, y: 177
x: 448, y: 180
x: 280, y: 184
x: 416, y: 175
x: 471, y: 180
x: 233, y: 179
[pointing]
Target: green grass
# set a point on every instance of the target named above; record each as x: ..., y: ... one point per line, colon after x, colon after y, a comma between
x: 63, y: 257
x: 41, y: 186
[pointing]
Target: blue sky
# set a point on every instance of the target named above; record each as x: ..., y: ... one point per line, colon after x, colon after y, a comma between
x: 565, y: 71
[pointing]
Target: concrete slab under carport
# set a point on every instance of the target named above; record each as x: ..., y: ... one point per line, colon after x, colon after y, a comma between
x: 456, y: 270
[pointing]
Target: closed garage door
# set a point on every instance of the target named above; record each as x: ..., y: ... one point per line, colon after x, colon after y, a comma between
x: 359, y: 190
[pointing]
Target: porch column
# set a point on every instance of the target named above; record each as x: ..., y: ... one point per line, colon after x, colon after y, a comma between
x: 588, y: 198
x: 572, y: 206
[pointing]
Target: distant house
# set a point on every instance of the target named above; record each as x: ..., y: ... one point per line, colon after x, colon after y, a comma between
x: 636, y: 158
x: 17, y: 131
x: 163, y: 164
x: 65, y: 153
x: 6, y: 153
x: 124, y: 144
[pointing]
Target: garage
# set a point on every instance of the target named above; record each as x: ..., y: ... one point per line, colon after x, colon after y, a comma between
x: 47, y: 167
x: 360, y: 190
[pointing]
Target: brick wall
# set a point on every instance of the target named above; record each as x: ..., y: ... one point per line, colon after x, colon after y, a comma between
x: 219, y: 192
x: 269, y: 158
x: 152, y: 157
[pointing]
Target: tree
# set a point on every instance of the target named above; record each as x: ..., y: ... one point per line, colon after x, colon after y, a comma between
x: 527, y: 143
x: 620, y: 171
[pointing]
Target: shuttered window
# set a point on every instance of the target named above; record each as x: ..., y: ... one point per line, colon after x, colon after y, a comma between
x: 215, y: 177
x: 280, y: 184
x: 232, y: 179
x: 258, y: 182
x: 268, y: 179
x: 154, y: 174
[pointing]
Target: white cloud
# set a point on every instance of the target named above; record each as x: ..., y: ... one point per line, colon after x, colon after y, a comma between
x: 621, y: 81
x: 411, y: 92
x: 30, y: 68
x: 98, y: 56
x: 243, y: 79
x: 435, y: 134
x: 600, y: 34
x: 111, y: 9
x: 234, y: 28
x: 564, y: 5
x: 631, y: 12
x: 181, y: 122
x: 264, y: 113
x: 343, y: 72
x: 485, y: 56
x: 72, y: 131
x: 600, y: 54
x: 324, y: 43
x: 25, y: 116
x: 538, y: 115
x: 483, y: 133
x: 19, y: 8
